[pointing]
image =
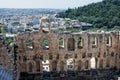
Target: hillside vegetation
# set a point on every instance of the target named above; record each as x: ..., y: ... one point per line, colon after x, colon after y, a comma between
x: 105, y: 14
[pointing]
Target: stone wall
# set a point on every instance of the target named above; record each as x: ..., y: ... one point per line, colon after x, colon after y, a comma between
x: 5, y: 56
x: 75, y: 54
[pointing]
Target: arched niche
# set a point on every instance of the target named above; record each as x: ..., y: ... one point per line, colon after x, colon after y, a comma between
x: 54, y: 65
x: 29, y: 44
x: 71, y: 44
x: 62, y: 65
x: 79, y: 65
x: 45, y: 25
x: 30, y: 66
x: 93, y: 63
x: 101, y: 64
x: 38, y: 66
x: 70, y: 64
x: 107, y: 62
x: 61, y: 43
x: 80, y: 43
x: 86, y: 64
x: 45, y: 44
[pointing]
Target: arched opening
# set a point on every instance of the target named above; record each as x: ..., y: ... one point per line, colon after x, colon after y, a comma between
x: 94, y: 42
x: 70, y: 64
x: 93, y: 63
x: 108, y: 41
x: 113, y: 63
x: 54, y: 65
x: 98, y: 55
x: 89, y: 55
x: 61, y: 43
x: 101, y: 64
x: 23, y: 66
x: 75, y: 56
x: 29, y: 44
x: 45, y: 24
x: 80, y: 43
x: 104, y: 55
x: 86, y: 64
x: 50, y: 57
x: 38, y: 66
x: 71, y: 44
x: 79, y: 65
x: 108, y: 62
x: 46, y: 64
x: 45, y: 44
x: 30, y: 67
x: 61, y: 66
x: 83, y: 55
x: 112, y: 54
x: 57, y: 56
x: 24, y: 58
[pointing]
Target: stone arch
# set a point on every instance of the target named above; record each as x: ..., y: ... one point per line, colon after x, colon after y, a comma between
x: 46, y: 64
x: 54, y: 65
x: 62, y: 65
x: 108, y: 40
x: 36, y: 56
x: 38, y: 66
x: 112, y: 54
x: 83, y: 55
x: 107, y: 62
x: 86, y: 64
x: 61, y: 43
x: 79, y: 62
x: 71, y: 44
x: 23, y: 66
x: 29, y: 43
x: 94, y: 41
x: 30, y: 67
x: 50, y: 56
x: 104, y: 55
x: 45, y: 44
x: 45, y: 24
x: 93, y: 63
x: 112, y: 63
x: 80, y: 42
x: 70, y: 64
x: 101, y: 64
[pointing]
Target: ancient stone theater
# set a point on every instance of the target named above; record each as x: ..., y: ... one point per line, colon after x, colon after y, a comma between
x: 45, y: 50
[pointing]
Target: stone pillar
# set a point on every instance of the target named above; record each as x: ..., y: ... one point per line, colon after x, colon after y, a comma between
x: 76, y: 46
x: 65, y: 65
x: 76, y: 65
x: 58, y: 65
x: 41, y: 67
x: 65, y: 42
x: 50, y: 65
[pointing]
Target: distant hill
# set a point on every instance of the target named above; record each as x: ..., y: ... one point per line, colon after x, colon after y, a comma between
x: 102, y: 14
x: 26, y: 11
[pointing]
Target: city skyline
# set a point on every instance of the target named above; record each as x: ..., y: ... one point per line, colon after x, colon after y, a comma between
x: 61, y: 4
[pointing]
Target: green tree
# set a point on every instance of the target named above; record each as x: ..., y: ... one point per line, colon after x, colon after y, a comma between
x: 101, y: 14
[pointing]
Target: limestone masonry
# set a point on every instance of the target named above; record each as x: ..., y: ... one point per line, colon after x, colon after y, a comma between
x: 49, y: 51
